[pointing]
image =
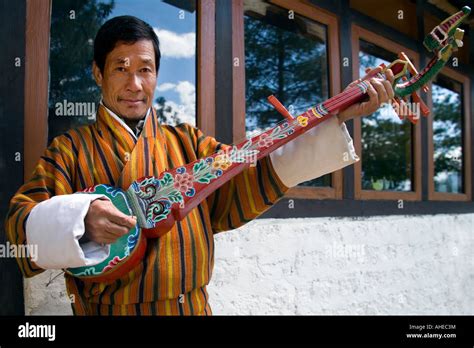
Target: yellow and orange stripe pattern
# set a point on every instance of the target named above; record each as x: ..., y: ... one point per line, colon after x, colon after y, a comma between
x: 172, y: 278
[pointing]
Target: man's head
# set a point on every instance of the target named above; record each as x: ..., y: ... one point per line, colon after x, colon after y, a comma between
x: 126, y: 62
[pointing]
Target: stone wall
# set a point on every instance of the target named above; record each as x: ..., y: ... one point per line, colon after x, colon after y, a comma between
x: 377, y: 265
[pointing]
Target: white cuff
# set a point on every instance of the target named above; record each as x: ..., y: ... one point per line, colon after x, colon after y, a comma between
x: 321, y: 150
x: 55, y: 226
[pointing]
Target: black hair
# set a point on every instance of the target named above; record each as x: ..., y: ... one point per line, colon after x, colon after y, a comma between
x: 128, y: 29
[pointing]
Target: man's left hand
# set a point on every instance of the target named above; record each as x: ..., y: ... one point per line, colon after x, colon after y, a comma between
x: 380, y: 91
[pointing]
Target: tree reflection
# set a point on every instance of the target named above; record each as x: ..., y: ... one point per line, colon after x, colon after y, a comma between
x: 447, y: 138
x: 386, y: 144
x: 287, y: 58
x: 74, y: 24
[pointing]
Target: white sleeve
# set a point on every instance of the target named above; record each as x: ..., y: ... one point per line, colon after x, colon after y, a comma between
x: 321, y: 150
x: 54, y: 228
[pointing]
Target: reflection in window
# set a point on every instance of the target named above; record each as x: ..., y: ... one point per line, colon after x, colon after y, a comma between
x: 447, y: 135
x: 73, y: 94
x: 286, y: 57
x: 386, y: 140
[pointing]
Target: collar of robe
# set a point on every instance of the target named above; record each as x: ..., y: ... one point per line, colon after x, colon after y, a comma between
x: 142, y: 156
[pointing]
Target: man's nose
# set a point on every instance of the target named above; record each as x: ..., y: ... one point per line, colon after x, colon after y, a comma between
x: 134, y: 83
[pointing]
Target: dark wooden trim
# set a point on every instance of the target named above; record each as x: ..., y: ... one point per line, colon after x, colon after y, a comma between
x: 333, y: 7
x: 423, y: 121
x: 38, y: 17
x: 238, y: 71
x: 361, y: 33
x: 224, y: 71
x: 12, y: 96
x: 466, y: 196
x: 206, y: 64
x: 385, y: 31
x: 303, y: 208
x: 471, y: 89
x: 346, y: 78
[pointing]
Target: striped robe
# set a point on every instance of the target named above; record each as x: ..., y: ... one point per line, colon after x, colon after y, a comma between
x: 172, y: 278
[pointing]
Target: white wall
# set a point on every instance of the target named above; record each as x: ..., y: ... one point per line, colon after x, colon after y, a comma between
x: 378, y: 265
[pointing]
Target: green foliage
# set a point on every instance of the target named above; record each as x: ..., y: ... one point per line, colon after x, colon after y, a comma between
x: 166, y: 180
x: 387, y: 151
x: 282, y: 59
x: 175, y: 197
x: 74, y: 24
x: 386, y: 143
x: 199, y: 167
x: 165, y: 113
x: 447, y: 129
x: 206, y: 178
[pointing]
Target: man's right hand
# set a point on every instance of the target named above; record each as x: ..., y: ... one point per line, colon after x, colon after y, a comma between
x: 104, y: 223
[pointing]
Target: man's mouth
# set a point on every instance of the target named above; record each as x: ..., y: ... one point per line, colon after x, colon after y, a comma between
x: 131, y: 101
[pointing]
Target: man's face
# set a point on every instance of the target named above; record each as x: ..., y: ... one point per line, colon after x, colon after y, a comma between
x: 129, y: 79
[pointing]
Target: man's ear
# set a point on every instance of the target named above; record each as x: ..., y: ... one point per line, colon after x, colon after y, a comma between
x: 97, y: 74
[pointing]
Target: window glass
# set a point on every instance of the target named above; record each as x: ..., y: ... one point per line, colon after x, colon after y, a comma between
x: 387, y: 155
x: 285, y: 55
x: 73, y: 94
x: 447, y: 135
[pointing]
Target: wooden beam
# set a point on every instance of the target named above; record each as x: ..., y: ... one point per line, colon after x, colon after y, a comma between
x: 38, y: 18
x: 206, y: 74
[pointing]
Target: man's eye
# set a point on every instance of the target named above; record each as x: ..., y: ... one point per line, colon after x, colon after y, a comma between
x: 146, y: 70
x: 120, y: 68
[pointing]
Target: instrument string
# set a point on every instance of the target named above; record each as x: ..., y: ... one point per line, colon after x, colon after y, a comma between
x: 332, y: 104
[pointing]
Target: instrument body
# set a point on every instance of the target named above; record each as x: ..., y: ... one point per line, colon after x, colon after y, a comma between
x: 158, y: 202
x: 130, y: 247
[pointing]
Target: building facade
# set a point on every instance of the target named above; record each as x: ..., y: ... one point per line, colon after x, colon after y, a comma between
x: 391, y: 234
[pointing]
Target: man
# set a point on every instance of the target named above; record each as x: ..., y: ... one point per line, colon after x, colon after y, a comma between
x: 126, y: 143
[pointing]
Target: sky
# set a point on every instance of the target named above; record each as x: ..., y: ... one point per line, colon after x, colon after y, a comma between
x: 176, y: 30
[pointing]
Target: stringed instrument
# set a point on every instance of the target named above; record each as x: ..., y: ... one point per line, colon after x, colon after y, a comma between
x: 159, y: 202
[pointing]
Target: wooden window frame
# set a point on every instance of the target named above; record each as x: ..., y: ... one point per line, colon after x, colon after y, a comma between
x: 38, y: 33
x: 206, y: 66
x: 359, y: 33
x: 306, y: 9
x: 38, y: 20
x: 467, y: 173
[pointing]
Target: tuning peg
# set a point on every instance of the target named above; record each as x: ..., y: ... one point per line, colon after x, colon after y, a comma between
x: 397, y: 108
x: 280, y: 108
x: 401, y: 107
x: 373, y: 72
x: 410, y: 66
x: 425, y: 111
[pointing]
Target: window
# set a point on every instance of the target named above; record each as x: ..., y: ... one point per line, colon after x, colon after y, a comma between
x: 74, y: 25
x: 449, y: 176
x: 55, y: 35
x: 389, y: 148
x: 287, y: 54
x: 374, y: 187
x: 386, y: 140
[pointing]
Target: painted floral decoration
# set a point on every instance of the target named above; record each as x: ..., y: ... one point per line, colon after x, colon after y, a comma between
x: 265, y: 140
x: 222, y: 162
x: 183, y: 182
x: 303, y: 121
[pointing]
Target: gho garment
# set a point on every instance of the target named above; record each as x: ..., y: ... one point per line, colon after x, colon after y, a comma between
x: 172, y: 278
